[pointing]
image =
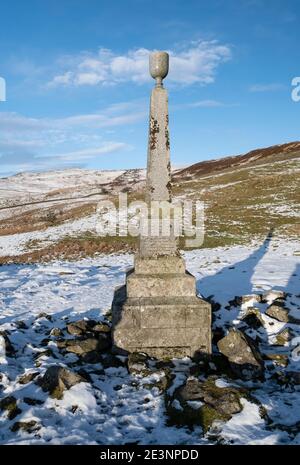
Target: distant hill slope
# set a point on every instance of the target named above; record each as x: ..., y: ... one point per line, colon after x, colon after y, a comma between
x: 245, y: 196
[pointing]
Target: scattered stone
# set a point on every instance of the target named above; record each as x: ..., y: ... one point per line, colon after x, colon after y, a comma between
x: 45, y: 353
x: 203, y: 402
x: 57, y: 332
x: 27, y: 426
x: 9, y: 349
x: 279, y: 359
x: 242, y: 354
x: 44, y: 315
x: 92, y: 357
x: 270, y: 296
x: 30, y: 401
x: 111, y: 360
x: 137, y: 364
x: 28, y: 377
x: 253, y: 318
x: 160, y: 379
x: 286, y: 335
x: 57, y: 379
x: 278, y: 311
x: 77, y: 328
x: 9, y: 404
x: 21, y: 325
x: 251, y: 298
x: 236, y: 302
x: 82, y: 346
x: 101, y: 328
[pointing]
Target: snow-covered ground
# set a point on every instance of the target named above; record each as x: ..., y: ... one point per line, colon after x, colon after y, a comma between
x: 115, y: 408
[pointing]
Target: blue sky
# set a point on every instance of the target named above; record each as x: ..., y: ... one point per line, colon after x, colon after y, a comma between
x: 78, y: 86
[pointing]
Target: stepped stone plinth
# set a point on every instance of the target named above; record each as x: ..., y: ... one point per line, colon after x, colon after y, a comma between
x: 158, y: 311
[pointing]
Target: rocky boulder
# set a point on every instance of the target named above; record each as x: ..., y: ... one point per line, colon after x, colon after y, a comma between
x: 278, y: 311
x: 203, y: 402
x: 9, y: 404
x: 57, y: 379
x: 242, y: 354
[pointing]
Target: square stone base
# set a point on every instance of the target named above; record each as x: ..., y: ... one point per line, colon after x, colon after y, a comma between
x: 162, y: 327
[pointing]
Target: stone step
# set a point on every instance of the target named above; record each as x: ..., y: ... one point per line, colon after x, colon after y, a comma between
x: 160, y: 285
x: 160, y: 265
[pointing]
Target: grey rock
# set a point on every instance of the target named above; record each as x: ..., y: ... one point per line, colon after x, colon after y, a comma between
x: 137, y: 363
x: 57, y: 379
x: 278, y: 311
x: 56, y: 332
x: 242, y: 354
x: 28, y: 377
x: 202, y: 402
x: 83, y: 346
x: 26, y: 426
x: 253, y: 318
x: 30, y: 401
x: 77, y: 328
x: 9, y: 404
x: 284, y: 336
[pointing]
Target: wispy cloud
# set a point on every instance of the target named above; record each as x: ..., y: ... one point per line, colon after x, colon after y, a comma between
x: 272, y: 87
x: 211, y: 104
x: 45, y: 143
x: 196, y: 63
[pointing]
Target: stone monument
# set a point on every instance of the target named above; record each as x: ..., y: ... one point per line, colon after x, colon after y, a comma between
x: 158, y: 311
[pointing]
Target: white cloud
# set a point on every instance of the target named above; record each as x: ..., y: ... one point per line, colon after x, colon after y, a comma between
x: 196, y: 63
x: 87, y: 154
x: 210, y: 104
x: 207, y: 104
x: 273, y: 87
x: 46, y: 143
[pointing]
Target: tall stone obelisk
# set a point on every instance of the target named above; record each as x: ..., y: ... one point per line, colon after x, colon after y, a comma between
x: 157, y: 311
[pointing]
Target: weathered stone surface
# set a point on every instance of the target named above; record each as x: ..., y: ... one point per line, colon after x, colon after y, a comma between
x: 286, y: 335
x: 28, y: 377
x: 83, y: 346
x: 279, y: 359
x: 243, y: 356
x: 26, y: 426
x: 273, y: 295
x: 44, y: 315
x: 9, y: 404
x: 56, y: 332
x: 278, y: 311
x: 251, y: 298
x: 30, y: 401
x: 203, y: 402
x: 253, y: 318
x: 164, y: 328
x: 21, y: 325
x: 160, y: 379
x: 157, y: 312
x: 57, y: 379
x: 80, y: 327
x: 137, y: 363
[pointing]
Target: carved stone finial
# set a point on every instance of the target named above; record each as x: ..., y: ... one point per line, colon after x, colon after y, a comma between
x: 159, y: 66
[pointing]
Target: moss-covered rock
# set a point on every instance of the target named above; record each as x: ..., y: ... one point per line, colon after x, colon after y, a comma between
x: 203, y: 402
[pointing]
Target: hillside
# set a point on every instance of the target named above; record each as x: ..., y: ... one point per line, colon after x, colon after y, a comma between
x: 48, y: 214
